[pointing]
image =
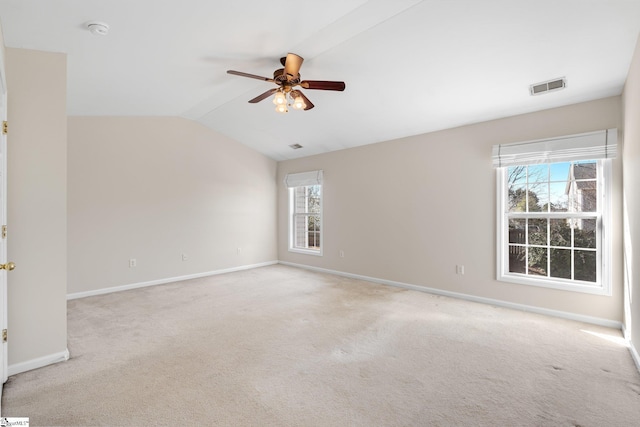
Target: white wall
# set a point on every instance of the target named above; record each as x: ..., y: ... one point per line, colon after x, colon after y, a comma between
x: 153, y: 188
x: 631, y: 157
x: 37, y: 204
x: 410, y: 210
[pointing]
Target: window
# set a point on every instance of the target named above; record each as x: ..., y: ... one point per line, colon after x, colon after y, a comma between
x: 305, y: 212
x: 554, y: 212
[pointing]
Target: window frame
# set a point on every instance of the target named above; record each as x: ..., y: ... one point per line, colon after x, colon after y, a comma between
x: 602, y: 286
x: 293, y: 214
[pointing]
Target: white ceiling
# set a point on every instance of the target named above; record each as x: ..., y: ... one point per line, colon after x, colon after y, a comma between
x: 410, y: 66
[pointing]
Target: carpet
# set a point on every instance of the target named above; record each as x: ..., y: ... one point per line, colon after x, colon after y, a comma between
x: 281, y: 346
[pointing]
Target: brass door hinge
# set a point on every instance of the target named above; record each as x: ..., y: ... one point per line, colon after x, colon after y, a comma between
x: 4, y: 335
x: 5, y: 127
x: 4, y: 231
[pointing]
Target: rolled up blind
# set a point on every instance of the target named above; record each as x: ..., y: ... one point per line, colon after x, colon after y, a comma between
x: 303, y: 179
x: 597, y: 145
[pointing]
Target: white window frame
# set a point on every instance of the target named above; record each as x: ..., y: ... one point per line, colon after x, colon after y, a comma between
x: 304, y: 179
x: 602, y: 286
x: 600, y: 146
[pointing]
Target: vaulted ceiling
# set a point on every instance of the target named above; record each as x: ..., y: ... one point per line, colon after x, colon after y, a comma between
x: 410, y: 66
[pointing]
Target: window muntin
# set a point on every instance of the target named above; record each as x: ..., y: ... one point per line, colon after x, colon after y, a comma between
x: 552, y: 226
x: 306, y: 219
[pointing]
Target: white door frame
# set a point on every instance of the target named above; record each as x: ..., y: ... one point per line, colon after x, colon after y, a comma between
x: 3, y: 221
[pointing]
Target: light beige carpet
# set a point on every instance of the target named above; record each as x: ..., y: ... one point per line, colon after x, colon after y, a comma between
x: 279, y: 346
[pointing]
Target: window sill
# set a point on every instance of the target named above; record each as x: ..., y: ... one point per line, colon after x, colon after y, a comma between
x: 306, y: 251
x: 594, y: 289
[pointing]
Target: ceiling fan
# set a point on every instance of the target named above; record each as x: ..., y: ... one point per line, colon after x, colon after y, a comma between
x: 287, y: 79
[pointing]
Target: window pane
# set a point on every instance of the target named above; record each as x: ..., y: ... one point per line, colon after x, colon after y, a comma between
x: 517, y: 259
x: 517, y: 198
x: 314, y: 223
x: 585, y: 265
x: 314, y: 198
x: 583, y: 190
x: 561, y: 263
x: 314, y: 232
x: 300, y: 199
x: 516, y: 231
x: 537, y: 261
x: 558, y: 197
x: 585, y: 233
x: 517, y: 175
x: 538, y: 197
x: 560, y: 232
x: 560, y: 171
x: 539, y: 173
x: 537, y: 231
x: 585, y: 196
x: 585, y: 170
x: 517, y: 253
x: 300, y: 231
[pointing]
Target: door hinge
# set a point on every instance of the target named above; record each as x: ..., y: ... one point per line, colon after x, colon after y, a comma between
x: 4, y: 231
x: 4, y: 335
x: 5, y: 127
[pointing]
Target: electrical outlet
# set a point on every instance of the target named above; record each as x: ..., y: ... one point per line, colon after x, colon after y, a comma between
x: 459, y: 269
x: 341, y: 253
x: 239, y: 251
x: 185, y: 257
x: 133, y: 263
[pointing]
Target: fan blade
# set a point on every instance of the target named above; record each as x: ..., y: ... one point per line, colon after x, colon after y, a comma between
x: 322, y: 85
x: 292, y: 65
x: 306, y: 101
x: 263, y: 96
x: 251, y: 76
x: 283, y: 60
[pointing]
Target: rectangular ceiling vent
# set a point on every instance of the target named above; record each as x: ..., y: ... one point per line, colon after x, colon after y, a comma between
x: 295, y: 146
x: 548, y: 86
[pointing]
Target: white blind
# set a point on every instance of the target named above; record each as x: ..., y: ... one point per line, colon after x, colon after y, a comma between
x: 585, y: 146
x: 303, y: 179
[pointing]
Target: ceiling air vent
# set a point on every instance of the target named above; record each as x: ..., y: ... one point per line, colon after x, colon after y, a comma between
x: 295, y: 146
x: 548, y: 86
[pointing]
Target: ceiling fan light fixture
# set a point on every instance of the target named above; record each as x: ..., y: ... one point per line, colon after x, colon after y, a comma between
x: 298, y: 102
x: 282, y: 108
x: 280, y: 99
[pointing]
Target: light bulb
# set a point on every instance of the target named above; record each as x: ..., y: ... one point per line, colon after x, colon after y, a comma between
x: 281, y: 108
x: 298, y: 103
x: 279, y: 99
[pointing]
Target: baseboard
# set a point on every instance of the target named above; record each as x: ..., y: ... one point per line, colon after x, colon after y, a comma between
x: 109, y: 290
x: 40, y: 362
x: 634, y: 354
x: 522, y: 307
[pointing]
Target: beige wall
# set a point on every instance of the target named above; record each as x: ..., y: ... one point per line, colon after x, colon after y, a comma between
x: 37, y: 204
x: 152, y: 188
x: 410, y: 210
x: 631, y: 157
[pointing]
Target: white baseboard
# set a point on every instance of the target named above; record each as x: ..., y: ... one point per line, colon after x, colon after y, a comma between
x: 522, y: 307
x: 634, y: 354
x: 39, y: 362
x: 109, y: 290
x: 632, y: 349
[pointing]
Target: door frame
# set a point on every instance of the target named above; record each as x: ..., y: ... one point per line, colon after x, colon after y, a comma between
x: 3, y: 221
